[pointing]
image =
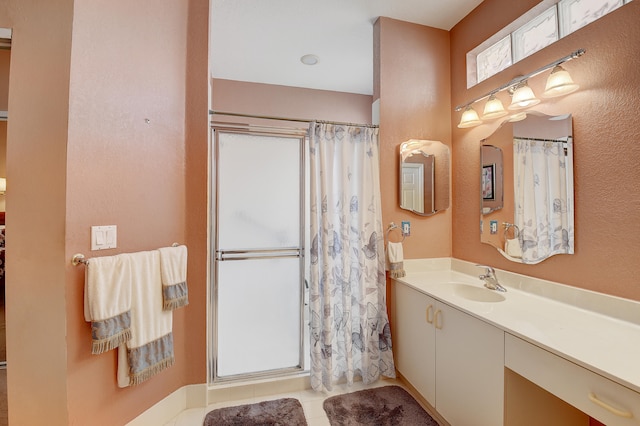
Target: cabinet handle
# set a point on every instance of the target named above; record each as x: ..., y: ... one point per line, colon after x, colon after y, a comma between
x: 430, y: 311
x: 620, y: 413
x: 436, y: 317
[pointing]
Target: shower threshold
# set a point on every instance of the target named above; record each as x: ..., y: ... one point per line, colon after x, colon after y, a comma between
x: 223, y: 391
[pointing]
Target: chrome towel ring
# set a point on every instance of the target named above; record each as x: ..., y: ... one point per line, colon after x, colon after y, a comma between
x: 391, y: 227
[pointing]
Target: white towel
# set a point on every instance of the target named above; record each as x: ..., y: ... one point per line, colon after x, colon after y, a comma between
x: 512, y: 247
x: 107, y: 301
x: 150, y: 349
x: 173, y: 267
x: 395, y: 258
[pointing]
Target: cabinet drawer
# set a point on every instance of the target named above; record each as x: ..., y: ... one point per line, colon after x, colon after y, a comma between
x: 595, y: 395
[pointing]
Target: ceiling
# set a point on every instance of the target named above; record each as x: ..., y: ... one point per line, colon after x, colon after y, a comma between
x: 263, y: 40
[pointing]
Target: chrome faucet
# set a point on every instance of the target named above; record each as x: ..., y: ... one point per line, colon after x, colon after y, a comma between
x: 490, y: 279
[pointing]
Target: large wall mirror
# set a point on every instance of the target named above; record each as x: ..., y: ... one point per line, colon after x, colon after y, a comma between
x: 527, y: 188
x: 424, y: 176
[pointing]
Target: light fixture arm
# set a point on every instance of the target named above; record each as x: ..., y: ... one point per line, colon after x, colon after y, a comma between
x: 516, y: 81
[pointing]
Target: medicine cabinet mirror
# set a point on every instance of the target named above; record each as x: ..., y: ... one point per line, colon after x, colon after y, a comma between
x: 424, y: 176
x: 526, y: 180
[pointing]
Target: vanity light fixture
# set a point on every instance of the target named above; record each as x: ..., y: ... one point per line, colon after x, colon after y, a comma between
x: 3, y: 186
x: 559, y: 83
x: 523, y: 97
x: 469, y: 118
x: 493, y: 109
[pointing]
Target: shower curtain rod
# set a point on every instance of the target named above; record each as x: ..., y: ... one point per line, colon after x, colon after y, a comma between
x: 298, y: 120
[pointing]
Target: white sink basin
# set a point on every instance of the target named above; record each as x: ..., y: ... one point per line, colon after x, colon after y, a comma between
x: 476, y: 294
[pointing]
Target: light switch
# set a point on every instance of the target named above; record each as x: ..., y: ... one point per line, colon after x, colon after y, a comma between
x: 104, y: 237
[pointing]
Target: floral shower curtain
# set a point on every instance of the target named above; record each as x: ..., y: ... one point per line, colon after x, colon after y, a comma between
x: 350, y: 333
x: 543, y: 206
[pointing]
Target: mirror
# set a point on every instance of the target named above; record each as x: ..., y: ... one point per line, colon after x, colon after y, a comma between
x: 527, y: 188
x: 424, y: 176
x: 492, y: 181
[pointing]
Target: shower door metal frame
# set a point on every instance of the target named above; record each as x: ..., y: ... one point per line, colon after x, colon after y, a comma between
x: 231, y: 255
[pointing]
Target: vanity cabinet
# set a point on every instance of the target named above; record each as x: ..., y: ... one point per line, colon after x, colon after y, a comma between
x: 595, y: 395
x: 453, y: 359
x: 413, y: 337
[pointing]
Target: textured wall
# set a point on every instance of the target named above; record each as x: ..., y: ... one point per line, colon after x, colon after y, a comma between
x: 412, y: 79
x: 288, y: 102
x: 79, y: 154
x: 606, y: 150
x: 36, y: 170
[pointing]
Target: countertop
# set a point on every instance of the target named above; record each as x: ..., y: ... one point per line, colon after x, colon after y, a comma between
x: 594, y: 330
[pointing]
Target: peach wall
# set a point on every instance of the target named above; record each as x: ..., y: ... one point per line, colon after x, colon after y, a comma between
x: 413, y: 83
x: 5, y: 56
x: 127, y: 67
x: 36, y: 169
x: 80, y: 153
x: 606, y: 154
x: 194, y: 327
x: 3, y: 160
x: 288, y: 102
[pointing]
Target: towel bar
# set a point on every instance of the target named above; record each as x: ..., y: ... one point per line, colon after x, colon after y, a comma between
x: 79, y: 258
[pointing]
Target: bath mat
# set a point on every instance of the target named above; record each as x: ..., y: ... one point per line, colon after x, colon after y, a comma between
x: 385, y: 406
x: 279, y: 412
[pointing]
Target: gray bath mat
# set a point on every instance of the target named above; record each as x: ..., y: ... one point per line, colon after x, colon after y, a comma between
x: 279, y: 412
x: 385, y: 406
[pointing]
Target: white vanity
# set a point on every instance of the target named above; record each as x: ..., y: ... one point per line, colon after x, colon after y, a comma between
x: 468, y: 350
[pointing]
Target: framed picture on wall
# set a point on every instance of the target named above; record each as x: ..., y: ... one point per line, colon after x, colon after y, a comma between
x: 489, y: 182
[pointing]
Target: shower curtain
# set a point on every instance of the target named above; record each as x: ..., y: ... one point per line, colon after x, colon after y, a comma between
x: 350, y: 334
x: 543, y: 205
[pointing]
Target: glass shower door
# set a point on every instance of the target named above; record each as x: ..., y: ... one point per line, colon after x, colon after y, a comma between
x: 258, y: 265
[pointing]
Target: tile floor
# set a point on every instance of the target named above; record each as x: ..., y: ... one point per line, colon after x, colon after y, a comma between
x: 311, y: 403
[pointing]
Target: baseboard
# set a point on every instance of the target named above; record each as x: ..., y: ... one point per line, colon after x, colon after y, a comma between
x: 190, y: 396
x: 201, y: 395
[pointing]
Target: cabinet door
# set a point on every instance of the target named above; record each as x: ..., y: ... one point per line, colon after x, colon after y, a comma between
x: 414, y: 339
x: 470, y: 374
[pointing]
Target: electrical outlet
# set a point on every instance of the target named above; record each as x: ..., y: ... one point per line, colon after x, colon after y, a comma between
x: 493, y: 227
x: 406, y: 228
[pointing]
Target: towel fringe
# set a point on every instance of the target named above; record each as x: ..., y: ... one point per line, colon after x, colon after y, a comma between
x: 397, y: 274
x: 170, y: 305
x: 147, y: 373
x: 175, y: 296
x: 396, y: 270
x: 104, y: 345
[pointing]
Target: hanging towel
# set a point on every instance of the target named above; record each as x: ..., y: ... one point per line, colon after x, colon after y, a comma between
x: 512, y: 247
x: 395, y: 258
x: 107, y: 301
x: 150, y: 349
x: 173, y: 267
